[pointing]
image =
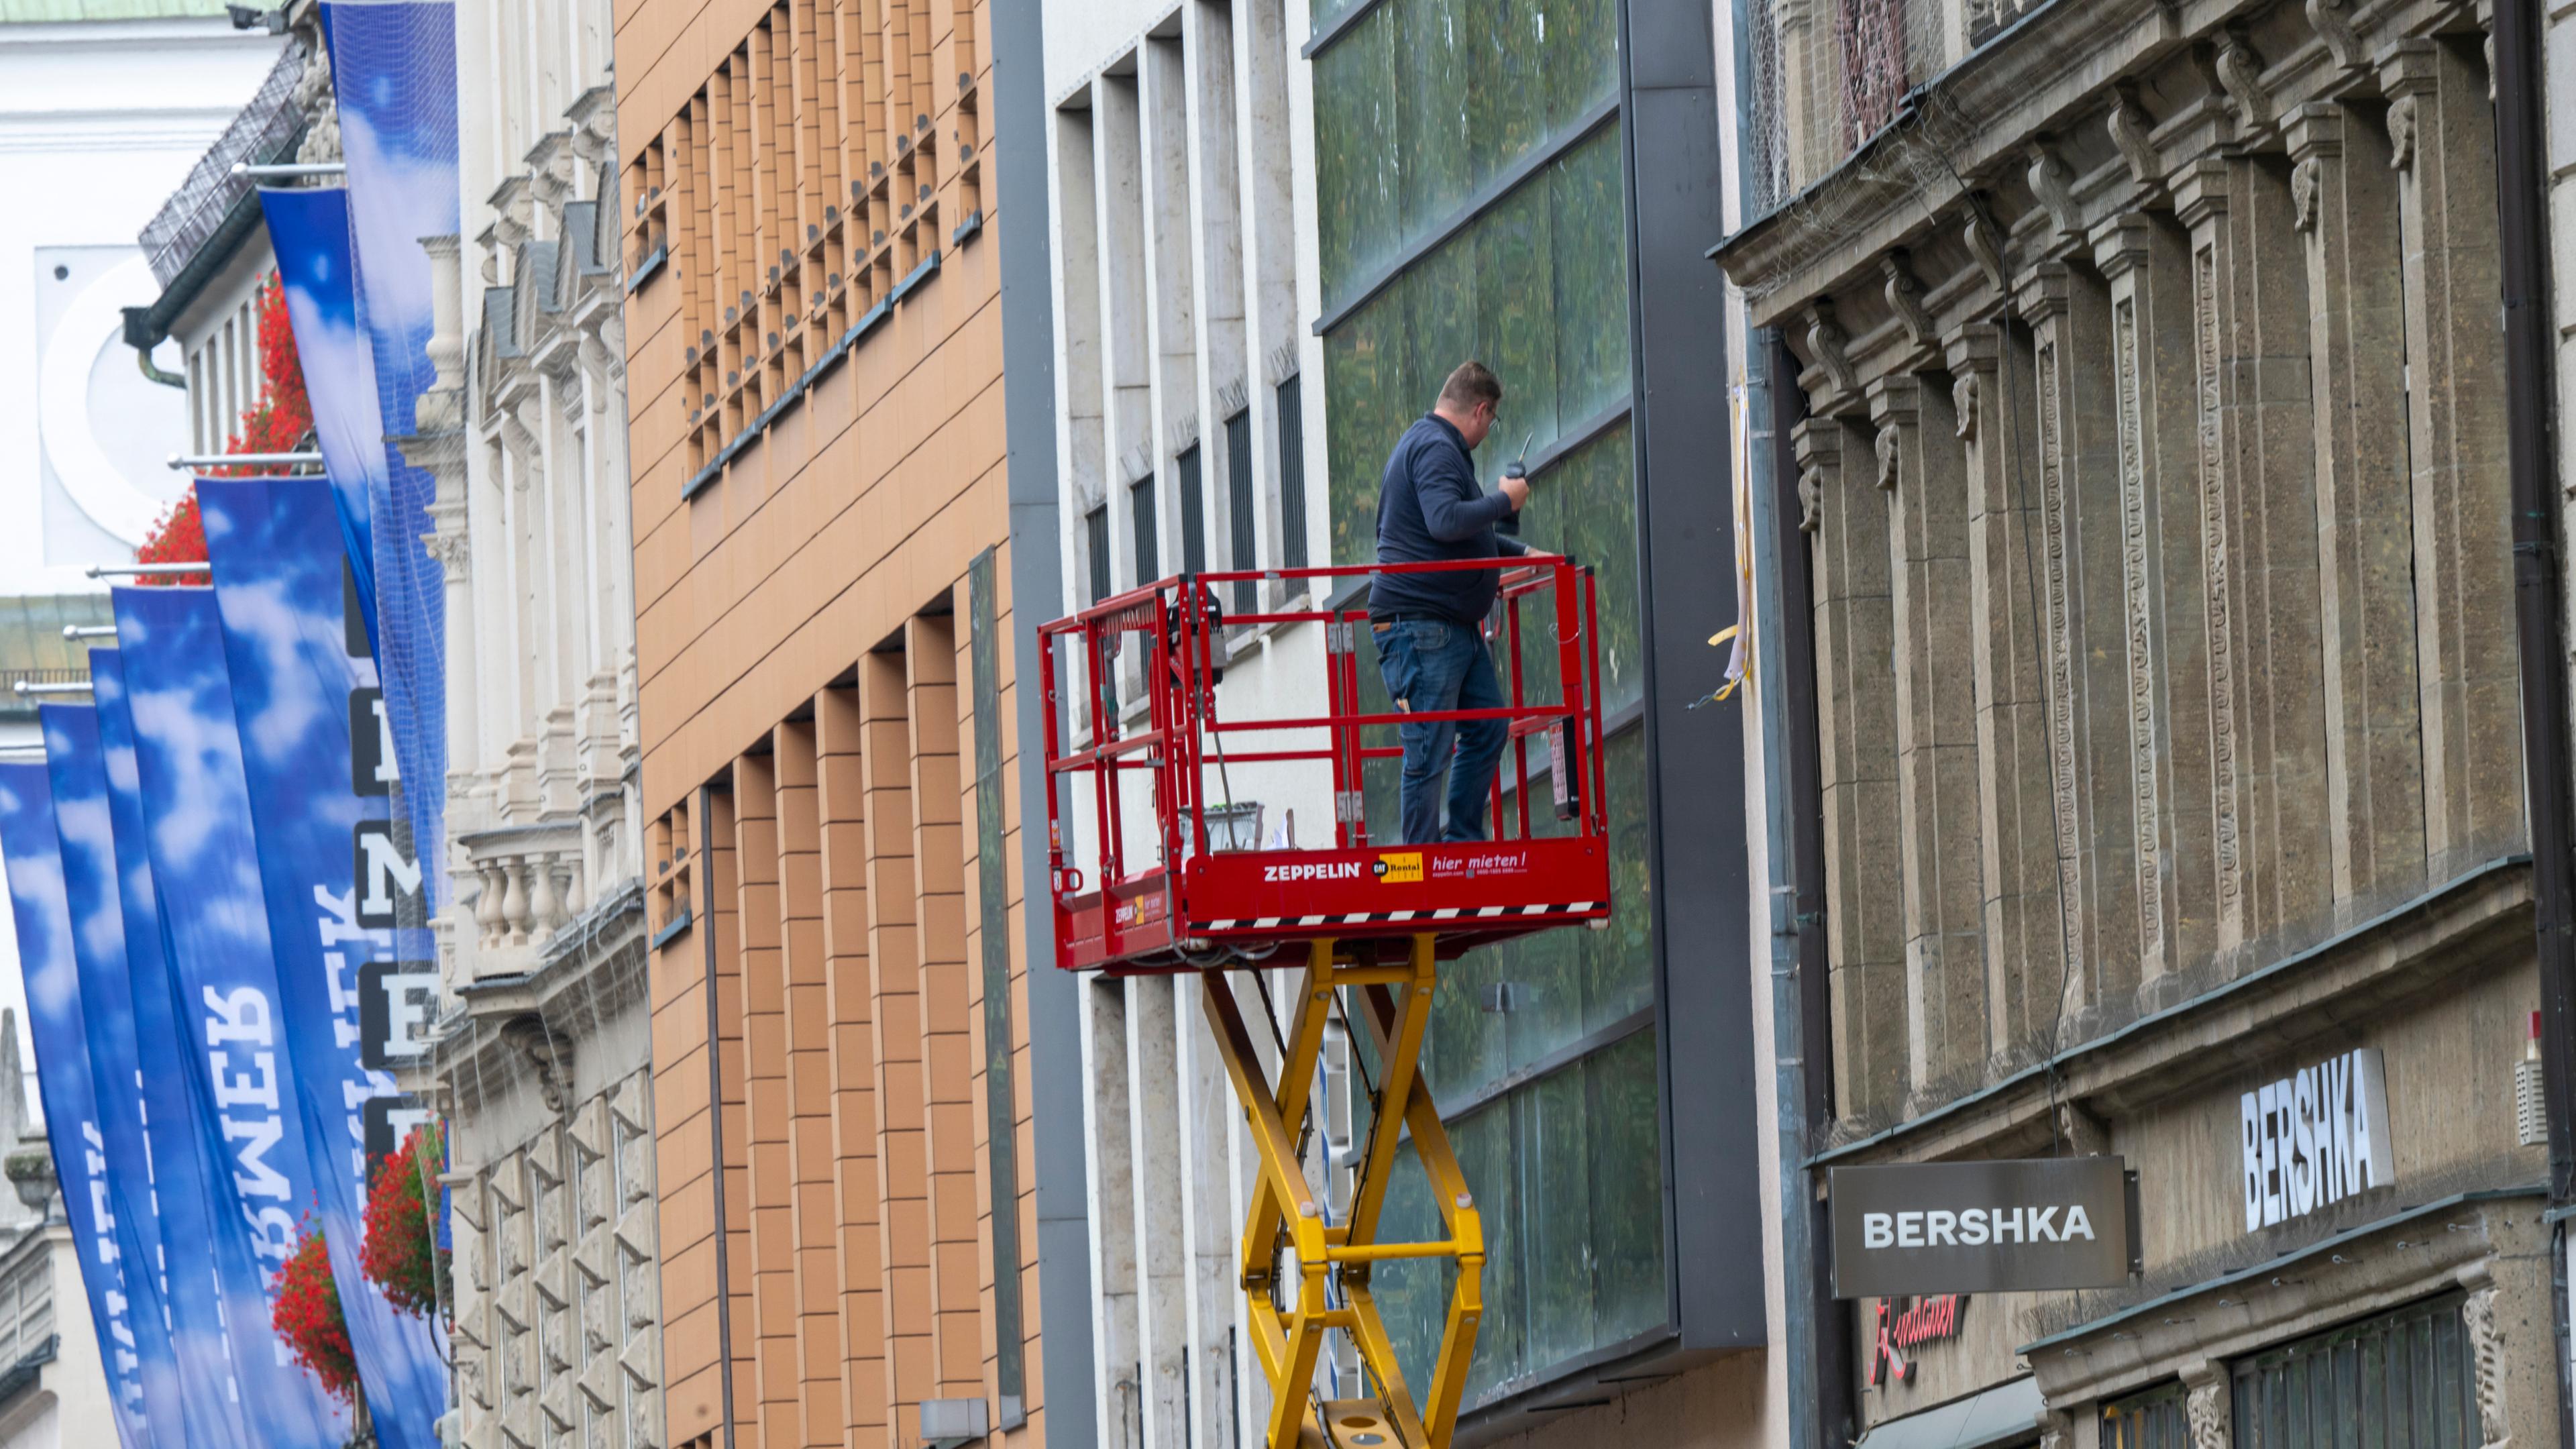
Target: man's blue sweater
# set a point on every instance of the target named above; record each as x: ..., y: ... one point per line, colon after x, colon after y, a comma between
x: 1430, y: 507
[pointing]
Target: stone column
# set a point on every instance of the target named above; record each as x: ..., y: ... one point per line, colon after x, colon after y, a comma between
x: 2441, y: 136
x: 1922, y: 480
x: 2344, y: 203
x: 2143, y: 256
x: 2025, y: 936
x: 2258, y: 510
x: 1856, y: 728
x: 2069, y: 313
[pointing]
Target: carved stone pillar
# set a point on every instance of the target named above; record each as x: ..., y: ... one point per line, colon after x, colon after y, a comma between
x: 2344, y: 203
x: 2143, y: 257
x: 2069, y: 313
x: 1922, y: 477
x: 2442, y: 139
x: 1856, y: 726
x: 2258, y: 500
x: 2209, y: 1405
x: 2024, y: 934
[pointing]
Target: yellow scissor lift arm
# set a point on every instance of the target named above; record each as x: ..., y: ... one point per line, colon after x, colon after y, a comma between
x: 1290, y: 1319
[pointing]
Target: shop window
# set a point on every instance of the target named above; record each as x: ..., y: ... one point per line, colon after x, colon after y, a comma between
x: 2156, y: 1419
x: 2403, y: 1380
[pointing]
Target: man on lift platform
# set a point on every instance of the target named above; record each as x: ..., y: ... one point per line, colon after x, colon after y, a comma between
x: 1429, y: 627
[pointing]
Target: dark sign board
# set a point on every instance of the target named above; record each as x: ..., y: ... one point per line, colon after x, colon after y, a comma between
x: 1983, y: 1227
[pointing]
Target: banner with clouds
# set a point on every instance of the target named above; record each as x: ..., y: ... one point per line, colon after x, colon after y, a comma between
x: 205, y: 866
x: 87, y: 840
x: 393, y: 71
x: 218, y: 1284
x: 314, y: 752
x: 308, y: 228
x: 43, y: 916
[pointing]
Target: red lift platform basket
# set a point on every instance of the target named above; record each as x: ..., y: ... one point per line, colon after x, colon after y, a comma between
x: 1132, y: 915
x: 1369, y: 920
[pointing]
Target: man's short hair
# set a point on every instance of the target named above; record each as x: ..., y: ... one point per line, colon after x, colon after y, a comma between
x: 1471, y: 384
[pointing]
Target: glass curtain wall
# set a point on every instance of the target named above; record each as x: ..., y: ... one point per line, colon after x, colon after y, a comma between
x: 1471, y: 203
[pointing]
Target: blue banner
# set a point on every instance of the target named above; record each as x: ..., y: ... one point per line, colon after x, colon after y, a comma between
x: 393, y: 69
x: 87, y: 840
x: 313, y: 749
x: 309, y: 231
x: 205, y: 866
x: 219, y: 1302
x: 44, y: 921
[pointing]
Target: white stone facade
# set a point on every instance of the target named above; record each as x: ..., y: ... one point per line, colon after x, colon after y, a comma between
x: 541, y: 1060
x: 1182, y: 191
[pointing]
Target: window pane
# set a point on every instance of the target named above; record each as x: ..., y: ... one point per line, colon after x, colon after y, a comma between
x: 1591, y: 256
x: 1363, y: 386
x: 1626, y: 1149
x: 1582, y: 55
x: 1356, y: 219
x: 1140, y: 507
x: 1515, y: 324
x: 1193, y: 514
x: 1437, y: 50
x: 1239, y: 505
x: 1095, y: 532
x: 1292, y: 476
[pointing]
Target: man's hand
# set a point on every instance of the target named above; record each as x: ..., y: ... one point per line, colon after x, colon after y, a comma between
x: 1517, y: 490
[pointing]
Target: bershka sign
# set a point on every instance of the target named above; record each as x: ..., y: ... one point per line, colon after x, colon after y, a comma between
x: 2024, y: 1226
x: 2314, y: 1138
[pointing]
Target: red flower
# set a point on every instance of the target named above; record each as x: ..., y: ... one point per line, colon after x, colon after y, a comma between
x: 401, y: 1254
x: 278, y: 423
x: 307, y: 1317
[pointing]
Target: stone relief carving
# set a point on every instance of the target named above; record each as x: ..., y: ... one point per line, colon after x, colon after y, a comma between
x: 1888, y: 447
x: 2206, y: 1405
x: 2305, y: 178
x: 1905, y: 298
x: 2213, y: 542
x: 1985, y: 243
x: 2135, y: 569
x: 2130, y: 125
x: 2401, y: 133
x: 2240, y: 74
x: 1811, y: 498
x: 2334, y: 27
x: 2053, y: 184
x: 2486, y: 1362
x: 1963, y: 400
x: 1827, y: 340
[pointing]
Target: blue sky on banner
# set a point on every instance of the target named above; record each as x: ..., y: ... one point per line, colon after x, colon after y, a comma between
x: 214, y: 914
x: 393, y: 70
x: 43, y: 917
x: 304, y: 696
x: 309, y: 230
x: 277, y: 1405
x: 87, y: 839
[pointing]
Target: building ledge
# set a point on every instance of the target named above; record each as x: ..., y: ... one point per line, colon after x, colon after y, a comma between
x: 2402, y: 954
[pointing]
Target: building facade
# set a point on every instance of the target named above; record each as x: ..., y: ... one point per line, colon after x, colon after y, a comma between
x: 1277, y: 226
x: 1179, y: 135
x: 2149, y: 724
x: 535, y: 1039
x: 832, y: 520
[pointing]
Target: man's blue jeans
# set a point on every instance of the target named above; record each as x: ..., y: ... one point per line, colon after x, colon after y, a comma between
x: 1430, y: 665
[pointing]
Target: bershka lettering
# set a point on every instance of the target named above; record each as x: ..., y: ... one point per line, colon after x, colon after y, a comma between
x: 2314, y: 1138
x: 1978, y: 1227
x: 1317, y: 870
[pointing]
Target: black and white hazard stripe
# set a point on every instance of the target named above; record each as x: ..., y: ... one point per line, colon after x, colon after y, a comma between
x: 1376, y: 918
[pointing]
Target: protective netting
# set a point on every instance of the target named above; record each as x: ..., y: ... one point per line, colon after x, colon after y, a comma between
x: 1840, y: 83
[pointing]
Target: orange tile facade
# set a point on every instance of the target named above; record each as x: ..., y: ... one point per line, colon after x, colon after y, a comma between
x: 803, y: 646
